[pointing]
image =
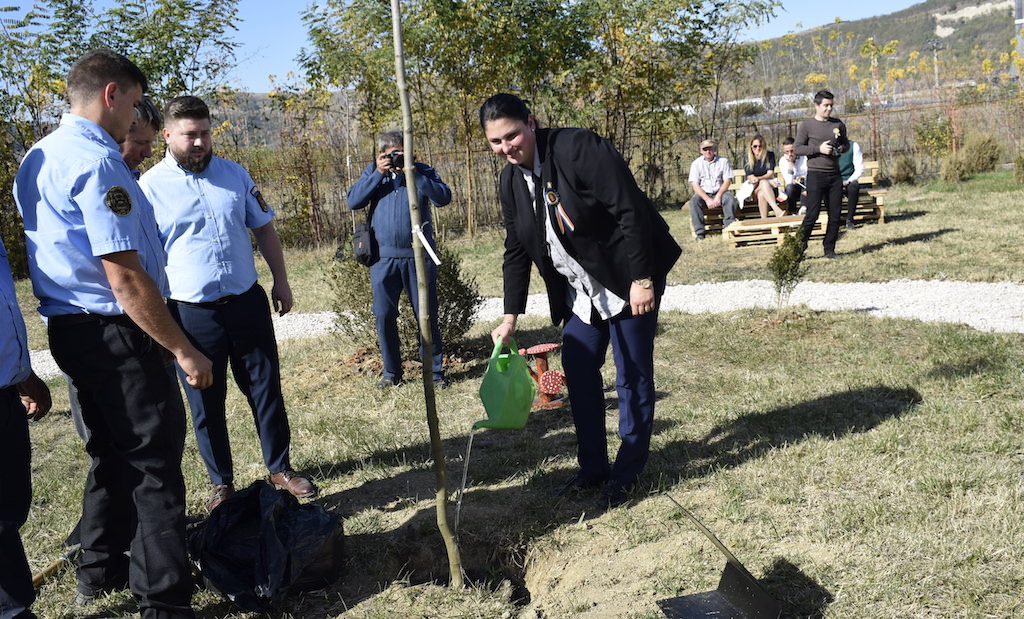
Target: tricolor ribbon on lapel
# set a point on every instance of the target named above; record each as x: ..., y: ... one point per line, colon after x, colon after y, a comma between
x: 551, y: 196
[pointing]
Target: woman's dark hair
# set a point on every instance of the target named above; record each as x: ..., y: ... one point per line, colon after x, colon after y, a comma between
x: 504, y: 105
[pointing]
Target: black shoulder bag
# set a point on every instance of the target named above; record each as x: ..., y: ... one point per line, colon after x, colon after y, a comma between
x: 364, y: 243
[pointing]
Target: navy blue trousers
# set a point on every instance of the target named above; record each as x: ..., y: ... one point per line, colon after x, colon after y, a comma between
x: 584, y: 348
x: 134, y: 493
x: 238, y: 331
x: 389, y: 277
x: 16, y: 592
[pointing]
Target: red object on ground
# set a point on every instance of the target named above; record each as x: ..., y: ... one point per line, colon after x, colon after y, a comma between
x: 549, y: 382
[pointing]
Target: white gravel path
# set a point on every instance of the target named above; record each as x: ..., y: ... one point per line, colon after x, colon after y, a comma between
x: 997, y: 307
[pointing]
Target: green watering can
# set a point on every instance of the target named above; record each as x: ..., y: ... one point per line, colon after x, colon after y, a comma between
x: 507, y: 390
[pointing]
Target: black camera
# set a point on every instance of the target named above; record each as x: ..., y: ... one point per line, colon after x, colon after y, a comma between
x: 397, y: 158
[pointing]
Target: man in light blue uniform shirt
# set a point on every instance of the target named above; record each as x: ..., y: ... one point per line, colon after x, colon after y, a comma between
x: 205, y: 207
x: 16, y: 379
x: 97, y: 269
x: 136, y: 148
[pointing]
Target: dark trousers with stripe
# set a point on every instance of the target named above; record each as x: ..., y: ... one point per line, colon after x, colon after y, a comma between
x: 238, y: 331
x: 16, y: 592
x: 134, y: 494
x: 584, y: 347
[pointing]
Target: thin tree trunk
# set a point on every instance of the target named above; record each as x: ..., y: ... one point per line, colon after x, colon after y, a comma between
x: 436, y: 447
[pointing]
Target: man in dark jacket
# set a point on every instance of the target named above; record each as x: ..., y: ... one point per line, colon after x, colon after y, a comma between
x: 382, y: 188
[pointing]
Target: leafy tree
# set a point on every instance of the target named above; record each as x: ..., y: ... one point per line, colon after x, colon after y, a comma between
x: 352, y: 50
x: 183, y: 46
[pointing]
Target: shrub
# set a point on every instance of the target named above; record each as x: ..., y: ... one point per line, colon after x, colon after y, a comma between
x: 854, y: 105
x: 934, y: 135
x: 746, y: 109
x: 458, y: 299
x: 954, y: 170
x: 981, y: 153
x: 1018, y: 169
x: 787, y: 268
x: 904, y: 169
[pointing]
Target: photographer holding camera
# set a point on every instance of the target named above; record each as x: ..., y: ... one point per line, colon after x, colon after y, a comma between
x: 382, y: 188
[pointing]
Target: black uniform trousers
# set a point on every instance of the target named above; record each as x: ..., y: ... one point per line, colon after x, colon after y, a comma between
x: 827, y: 187
x: 16, y: 592
x: 134, y: 493
x: 238, y: 330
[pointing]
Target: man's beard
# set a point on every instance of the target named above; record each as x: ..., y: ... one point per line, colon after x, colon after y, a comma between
x: 193, y: 162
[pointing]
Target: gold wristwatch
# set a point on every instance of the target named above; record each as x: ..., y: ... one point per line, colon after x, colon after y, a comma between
x: 644, y: 282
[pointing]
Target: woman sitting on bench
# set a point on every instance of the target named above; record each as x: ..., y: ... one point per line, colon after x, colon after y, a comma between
x: 760, y: 170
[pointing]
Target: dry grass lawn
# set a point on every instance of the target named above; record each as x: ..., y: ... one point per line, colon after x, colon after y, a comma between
x: 859, y: 467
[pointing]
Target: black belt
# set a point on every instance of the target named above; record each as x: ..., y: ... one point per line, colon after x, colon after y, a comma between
x: 214, y: 303
x: 63, y: 320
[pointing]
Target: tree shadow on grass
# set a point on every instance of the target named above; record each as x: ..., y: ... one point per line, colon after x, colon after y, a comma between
x: 906, y: 240
x: 748, y: 436
x: 904, y: 216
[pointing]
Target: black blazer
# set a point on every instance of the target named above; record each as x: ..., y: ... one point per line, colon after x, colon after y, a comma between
x: 618, y: 235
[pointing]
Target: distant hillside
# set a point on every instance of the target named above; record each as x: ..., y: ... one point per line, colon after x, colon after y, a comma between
x: 959, y: 34
x: 958, y: 25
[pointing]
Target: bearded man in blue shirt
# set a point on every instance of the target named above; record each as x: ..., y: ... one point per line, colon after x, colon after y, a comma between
x: 205, y: 206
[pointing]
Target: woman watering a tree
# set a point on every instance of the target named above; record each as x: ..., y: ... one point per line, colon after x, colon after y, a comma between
x: 570, y: 205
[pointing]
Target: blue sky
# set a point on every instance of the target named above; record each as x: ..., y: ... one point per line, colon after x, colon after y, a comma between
x: 271, y: 32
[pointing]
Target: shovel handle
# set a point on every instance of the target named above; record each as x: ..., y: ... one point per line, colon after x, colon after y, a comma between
x: 51, y: 569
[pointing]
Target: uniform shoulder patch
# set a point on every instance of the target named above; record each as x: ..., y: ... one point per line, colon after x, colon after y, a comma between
x: 118, y: 200
x: 259, y: 198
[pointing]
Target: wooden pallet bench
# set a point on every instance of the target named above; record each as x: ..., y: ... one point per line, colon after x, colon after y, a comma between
x: 768, y: 231
x: 750, y: 229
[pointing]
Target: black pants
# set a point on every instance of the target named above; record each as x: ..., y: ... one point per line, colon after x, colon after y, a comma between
x: 827, y: 186
x: 134, y: 493
x: 852, y: 191
x: 16, y: 592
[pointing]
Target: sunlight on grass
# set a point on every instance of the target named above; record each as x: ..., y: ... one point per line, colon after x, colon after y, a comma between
x: 861, y: 467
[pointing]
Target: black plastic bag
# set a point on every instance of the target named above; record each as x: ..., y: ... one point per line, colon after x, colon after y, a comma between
x: 261, y: 544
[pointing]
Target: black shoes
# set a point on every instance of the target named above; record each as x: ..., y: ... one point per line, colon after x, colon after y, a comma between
x: 612, y: 495
x: 388, y: 381
x: 578, y: 483
x: 440, y: 382
x: 831, y: 255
